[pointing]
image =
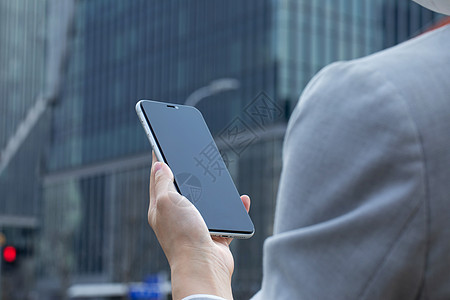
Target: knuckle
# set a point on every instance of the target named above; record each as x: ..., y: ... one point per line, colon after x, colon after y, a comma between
x: 182, y: 201
x: 161, y: 201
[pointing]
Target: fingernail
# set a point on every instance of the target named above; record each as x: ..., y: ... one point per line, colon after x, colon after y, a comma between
x: 157, y: 166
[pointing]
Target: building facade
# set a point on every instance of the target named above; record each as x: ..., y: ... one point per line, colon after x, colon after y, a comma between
x: 22, y: 80
x: 93, y: 175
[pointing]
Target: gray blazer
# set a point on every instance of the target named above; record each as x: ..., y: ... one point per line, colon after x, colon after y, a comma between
x: 363, y: 207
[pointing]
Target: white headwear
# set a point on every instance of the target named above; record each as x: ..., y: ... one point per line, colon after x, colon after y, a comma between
x: 440, y: 6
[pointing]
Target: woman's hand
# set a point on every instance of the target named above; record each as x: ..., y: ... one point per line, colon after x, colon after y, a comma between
x: 200, y: 264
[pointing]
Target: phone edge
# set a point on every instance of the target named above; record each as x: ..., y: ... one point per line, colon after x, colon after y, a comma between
x: 147, y: 130
x: 233, y: 235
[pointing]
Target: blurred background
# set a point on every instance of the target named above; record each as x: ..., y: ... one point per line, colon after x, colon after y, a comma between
x: 74, y: 164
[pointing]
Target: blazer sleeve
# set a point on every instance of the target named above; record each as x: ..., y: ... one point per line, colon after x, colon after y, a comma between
x: 203, y: 297
x: 350, y: 221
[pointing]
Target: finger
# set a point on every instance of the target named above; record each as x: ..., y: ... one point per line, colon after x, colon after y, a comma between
x: 163, y: 180
x: 151, y: 187
x: 246, y: 201
x: 222, y: 240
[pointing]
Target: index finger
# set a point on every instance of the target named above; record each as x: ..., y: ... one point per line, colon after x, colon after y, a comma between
x: 227, y: 241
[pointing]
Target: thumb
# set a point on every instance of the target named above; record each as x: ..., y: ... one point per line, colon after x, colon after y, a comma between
x: 163, y: 179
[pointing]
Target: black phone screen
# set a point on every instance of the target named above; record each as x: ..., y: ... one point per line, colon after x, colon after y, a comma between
x: 200, y: 173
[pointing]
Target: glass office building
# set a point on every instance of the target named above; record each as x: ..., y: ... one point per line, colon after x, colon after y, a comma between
x: 93, y: 178
x: 22, y: 74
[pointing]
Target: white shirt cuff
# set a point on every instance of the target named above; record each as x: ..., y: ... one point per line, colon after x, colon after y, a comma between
x: 203, y: 296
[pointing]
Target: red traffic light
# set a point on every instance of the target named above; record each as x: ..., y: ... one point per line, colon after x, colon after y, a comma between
x: 9, y: 254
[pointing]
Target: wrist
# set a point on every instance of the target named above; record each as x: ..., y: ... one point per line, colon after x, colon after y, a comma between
x: 200, y: 272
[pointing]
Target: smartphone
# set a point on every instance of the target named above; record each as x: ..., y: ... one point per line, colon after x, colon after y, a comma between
x: 180, y: 137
